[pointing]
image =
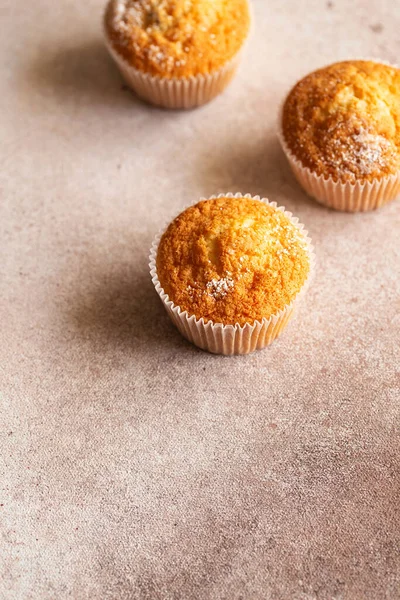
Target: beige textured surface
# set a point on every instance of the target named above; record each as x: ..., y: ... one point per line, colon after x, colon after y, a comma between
x: 133, y: 465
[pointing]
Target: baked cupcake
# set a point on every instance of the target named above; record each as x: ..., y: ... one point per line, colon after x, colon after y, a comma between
x: 340, y: 129
x: 229, y: 270
x: 177, y: 53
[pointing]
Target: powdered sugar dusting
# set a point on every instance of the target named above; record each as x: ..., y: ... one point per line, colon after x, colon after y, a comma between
x: 361, y: 153
x: 149, y: 14
x: 153, y: 18
x: 218, y: 288
x: 370, y: 151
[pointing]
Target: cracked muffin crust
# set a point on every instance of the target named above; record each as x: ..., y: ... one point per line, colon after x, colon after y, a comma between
x: 177, y: 38
x: 232, y: 260
x: 343, y: 121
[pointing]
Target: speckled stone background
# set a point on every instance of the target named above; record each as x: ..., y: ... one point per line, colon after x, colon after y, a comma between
x: 132, y: 465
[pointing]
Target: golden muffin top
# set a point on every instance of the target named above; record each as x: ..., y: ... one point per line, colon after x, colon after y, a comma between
x: 177, y: 38
x: 343, y: 121
x: 232, y: 260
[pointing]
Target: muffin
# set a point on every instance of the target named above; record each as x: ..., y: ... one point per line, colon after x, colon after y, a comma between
x: 177, y: 53
x: 228, y: 271
x: 340, y: 129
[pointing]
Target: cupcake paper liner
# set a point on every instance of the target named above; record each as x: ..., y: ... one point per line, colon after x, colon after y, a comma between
x: 344, y: 196
x: 185, y: 92
x: 350, y: 197
x: 230, y: 339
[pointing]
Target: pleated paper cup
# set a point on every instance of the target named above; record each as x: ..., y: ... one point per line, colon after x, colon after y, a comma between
x: 345, y: 196
x: 230, y: 339
x: 178, y: 93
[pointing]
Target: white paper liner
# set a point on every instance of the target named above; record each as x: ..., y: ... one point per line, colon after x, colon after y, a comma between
x: 344, y: 196
x: 231, y: 339
x: 178, y: 93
